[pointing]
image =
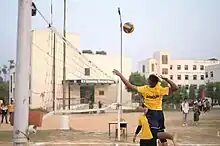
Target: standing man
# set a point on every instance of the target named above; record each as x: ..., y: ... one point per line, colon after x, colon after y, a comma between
x: 185, y: 110
x: 11, y: 109
x: 153, y: 96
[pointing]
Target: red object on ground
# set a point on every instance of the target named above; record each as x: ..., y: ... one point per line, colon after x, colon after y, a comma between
x: 35, y: 118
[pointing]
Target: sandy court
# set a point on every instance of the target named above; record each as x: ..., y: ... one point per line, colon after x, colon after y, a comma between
x: 94, y: 127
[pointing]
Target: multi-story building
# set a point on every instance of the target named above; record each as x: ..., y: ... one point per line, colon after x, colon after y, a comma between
x: 212, y: 73
x: 88, y: 75
x: 182, y: 72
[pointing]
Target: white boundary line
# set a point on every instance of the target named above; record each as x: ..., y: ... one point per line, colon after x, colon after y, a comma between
x: 116, y: 144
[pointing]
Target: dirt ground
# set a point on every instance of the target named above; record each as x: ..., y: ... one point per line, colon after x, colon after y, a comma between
x: 94, y: 128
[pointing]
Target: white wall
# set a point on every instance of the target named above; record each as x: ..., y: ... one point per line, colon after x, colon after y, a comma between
x: 213, y: 73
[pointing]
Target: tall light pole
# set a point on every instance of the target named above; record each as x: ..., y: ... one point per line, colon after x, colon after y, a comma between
x: 23, y: 59
x: 64, y: 55
x: 120, y: 93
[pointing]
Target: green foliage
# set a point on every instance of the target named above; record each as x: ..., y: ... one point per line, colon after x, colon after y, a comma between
x: 164, y: 84
x: 177, y: 96
x: 217, y: 91
x: 137, y: 79
x: 210, y: 89
x: 4, y: 90
x: 192, y: 93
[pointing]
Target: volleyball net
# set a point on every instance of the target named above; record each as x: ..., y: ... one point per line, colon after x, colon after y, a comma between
x: 87, y: 87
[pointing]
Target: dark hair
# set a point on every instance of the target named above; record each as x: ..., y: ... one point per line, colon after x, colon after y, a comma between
x: 153, y: 78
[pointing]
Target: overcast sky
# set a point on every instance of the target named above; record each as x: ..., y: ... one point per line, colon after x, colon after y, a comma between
x: 186, y: 28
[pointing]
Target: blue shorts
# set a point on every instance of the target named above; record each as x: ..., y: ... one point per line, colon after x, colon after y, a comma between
x: 156, y: 121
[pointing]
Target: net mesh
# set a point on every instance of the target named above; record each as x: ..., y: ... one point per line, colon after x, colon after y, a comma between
x: 85, y: 81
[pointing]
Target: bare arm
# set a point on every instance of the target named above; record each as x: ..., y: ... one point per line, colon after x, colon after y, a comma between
x: 173, y: 86
x: 125, y: 81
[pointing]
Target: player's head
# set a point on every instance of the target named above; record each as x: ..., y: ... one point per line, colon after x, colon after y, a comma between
x: 153, y: 80
x: 144, y: 108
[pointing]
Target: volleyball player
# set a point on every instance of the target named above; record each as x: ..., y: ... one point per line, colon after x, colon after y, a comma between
x: 153, y: 96
x: 149, y: 138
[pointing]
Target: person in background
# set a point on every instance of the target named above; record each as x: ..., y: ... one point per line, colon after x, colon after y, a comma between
x: 99, y: 104
x: 11, y: 109
x: 185, y: 110
x: 4, y: 111
x: 196, y: 110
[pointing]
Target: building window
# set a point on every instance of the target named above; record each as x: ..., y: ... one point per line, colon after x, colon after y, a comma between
x: 201, y: 67
x: 194, y: 67
x: 206, y: 74
x: 152, y: 67
x: 143, y: 68
x: 171, y: 77
x: 194, y: 77
x: 186, y: 67
x: 178, y: 77
x: 101, y: 92
x: 187, y: 87
x: 194, y: 86
x: 164, y: 71
x: 202, y: 77
x: 178, y: 67
x: 171, y: 67
x: 87, y: 71
x: 186, y: 77
x: 211, y: 74
x: 164, y: 59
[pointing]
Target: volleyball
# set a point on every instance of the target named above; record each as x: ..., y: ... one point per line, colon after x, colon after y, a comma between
x: 128, y: 27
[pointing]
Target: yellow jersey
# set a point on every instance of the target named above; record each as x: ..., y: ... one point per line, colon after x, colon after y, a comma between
x: 11, y: 108
x: 153, y: 96
x: 145, y: 128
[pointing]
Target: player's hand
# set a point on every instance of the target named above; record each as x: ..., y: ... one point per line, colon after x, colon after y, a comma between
x: 116, y: 72
x: 162, y: 77
x: 134, y: 139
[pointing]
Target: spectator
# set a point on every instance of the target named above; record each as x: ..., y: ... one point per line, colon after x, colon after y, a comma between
x: 196, y: 115
x: 4, y: 111
x: 185, y: 110
x: 11, y: 109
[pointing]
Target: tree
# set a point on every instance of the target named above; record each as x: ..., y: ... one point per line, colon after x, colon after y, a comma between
x: 192, y: 93
x: 5, y: 72
x: 137, y: 79
x: 4, y: 90
x: 210, y: 90
x: 12, y: 64
x: 217, y: 91
x: 164, y: 84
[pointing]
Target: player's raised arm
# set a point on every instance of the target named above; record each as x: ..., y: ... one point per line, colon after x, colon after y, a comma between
x: 125, y: 81
x: 173, y: 86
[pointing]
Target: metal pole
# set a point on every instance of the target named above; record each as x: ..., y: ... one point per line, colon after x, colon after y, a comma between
x: 120, y: 95
x: 22, y: 73
x: 54, y: 72
x: 53, y: 48
x: 64, y: 56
